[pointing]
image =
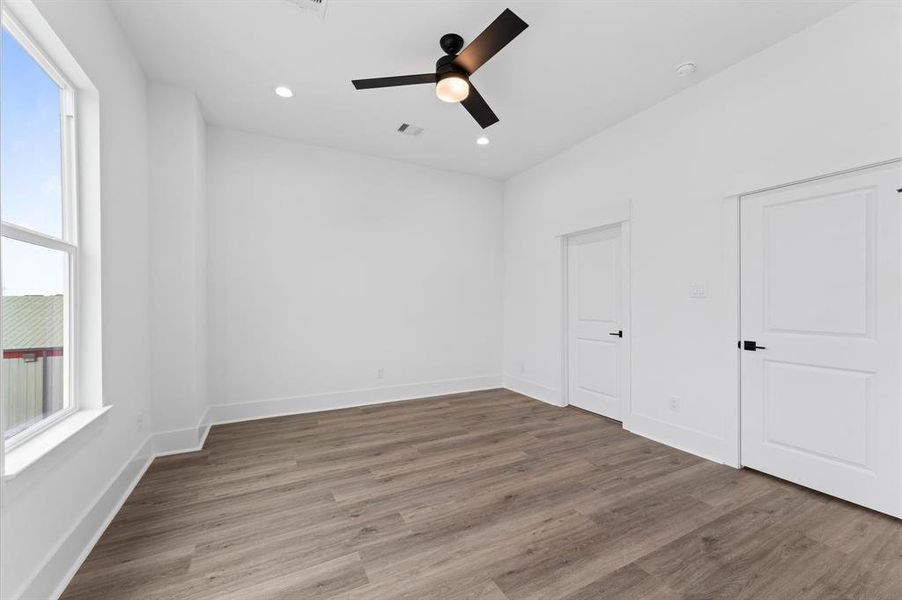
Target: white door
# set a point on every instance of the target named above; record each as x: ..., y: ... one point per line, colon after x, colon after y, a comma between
x: 820, y: 291
x: 595, y: 323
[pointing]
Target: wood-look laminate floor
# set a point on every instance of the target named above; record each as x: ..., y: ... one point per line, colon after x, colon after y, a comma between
x: 487, y: 495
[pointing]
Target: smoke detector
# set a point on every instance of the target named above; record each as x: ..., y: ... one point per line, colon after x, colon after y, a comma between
x: 685, y: 69
x: 318, y: 7
x: 411, y: 130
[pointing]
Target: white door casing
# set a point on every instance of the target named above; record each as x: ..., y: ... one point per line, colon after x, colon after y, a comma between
x: 597, y: 301
x: 820, y: 291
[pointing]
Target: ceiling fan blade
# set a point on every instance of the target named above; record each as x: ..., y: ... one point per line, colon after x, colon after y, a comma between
x: 487, y: 44
x: 479, y: 109
x: 380, y: 82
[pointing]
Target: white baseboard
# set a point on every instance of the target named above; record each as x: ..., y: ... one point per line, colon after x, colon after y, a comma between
x: 192, y: 439
x: 218, y: 414
x: 688, y: 440
x: 51, y: 578
x: 179, y: 441
x: 532, y: 389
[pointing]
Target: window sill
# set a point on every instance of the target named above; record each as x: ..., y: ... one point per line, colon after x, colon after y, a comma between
x: 28, y: 453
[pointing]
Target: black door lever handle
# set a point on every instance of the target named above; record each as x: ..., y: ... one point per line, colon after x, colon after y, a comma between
x: 752, y: 345
x: 618, y: 334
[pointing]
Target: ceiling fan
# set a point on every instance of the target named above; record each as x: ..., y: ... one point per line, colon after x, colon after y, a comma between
x: 453, y: 71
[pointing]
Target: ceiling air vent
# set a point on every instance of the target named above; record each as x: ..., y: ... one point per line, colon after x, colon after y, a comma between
x: 317, y: 7
x: 408, y: 129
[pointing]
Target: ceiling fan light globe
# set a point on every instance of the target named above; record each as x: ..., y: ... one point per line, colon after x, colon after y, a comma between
x: 452, y: 89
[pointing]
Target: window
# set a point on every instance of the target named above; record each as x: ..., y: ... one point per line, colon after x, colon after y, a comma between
x: 39, y: 251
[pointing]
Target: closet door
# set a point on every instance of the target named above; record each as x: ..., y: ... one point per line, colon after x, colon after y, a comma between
x: 820, y: 306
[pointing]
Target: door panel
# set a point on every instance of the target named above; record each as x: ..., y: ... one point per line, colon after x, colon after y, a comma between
x: 595, y: 305
x: 838, y: 398
x: 596, y: 368
x: 596, y: 279
x: 820, y: 286
x: 820, y: 292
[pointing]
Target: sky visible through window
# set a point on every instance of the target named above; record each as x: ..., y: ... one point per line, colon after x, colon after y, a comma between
x: 30, y: 168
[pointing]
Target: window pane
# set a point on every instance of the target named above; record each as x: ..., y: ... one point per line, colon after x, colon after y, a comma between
x: 30, y: 146
x: 34, y: 358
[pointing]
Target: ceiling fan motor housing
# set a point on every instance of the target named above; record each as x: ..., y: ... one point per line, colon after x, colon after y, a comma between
x: 446, y: 67
x: 451, y: 43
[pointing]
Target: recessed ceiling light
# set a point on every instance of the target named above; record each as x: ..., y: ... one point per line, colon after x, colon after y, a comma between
x: 284, y: 92
x: 482, y: 141
x: 686, y: 68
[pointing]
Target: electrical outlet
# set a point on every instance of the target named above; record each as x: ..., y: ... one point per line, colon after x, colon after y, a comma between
x: 380, y: 374
x: 140, y: 421
x: 674, y: 404
x: 698, y: 290
x: 521, y: 367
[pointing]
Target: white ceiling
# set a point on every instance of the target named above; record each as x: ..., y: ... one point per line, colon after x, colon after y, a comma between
x: 580, y: 67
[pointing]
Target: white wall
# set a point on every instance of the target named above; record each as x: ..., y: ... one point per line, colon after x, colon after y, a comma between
x: 824, y: 100
x: 48, y: 510
x: 326, y: 266
x: 177, y: 258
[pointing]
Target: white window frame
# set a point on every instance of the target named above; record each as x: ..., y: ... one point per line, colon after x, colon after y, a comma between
x: 68, y: 242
